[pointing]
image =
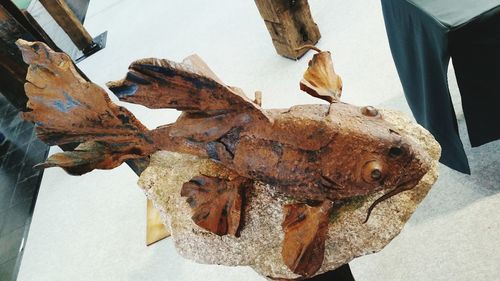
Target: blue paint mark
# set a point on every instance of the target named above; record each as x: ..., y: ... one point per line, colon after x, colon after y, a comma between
x: 138, y: 79
x: 124, y: 91
x: 65, y: 106
x: 60, y: 106
x: 212, y: 151
x: 71, y: 101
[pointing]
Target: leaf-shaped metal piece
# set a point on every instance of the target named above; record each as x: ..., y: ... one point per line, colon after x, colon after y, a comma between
x: 216, y: 203
x: 305, y: 230
x: 320, y: 79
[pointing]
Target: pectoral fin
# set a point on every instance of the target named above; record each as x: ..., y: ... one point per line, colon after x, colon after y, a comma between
x: 91, y: 155
x: 217, y: 203
x: 305, y: 230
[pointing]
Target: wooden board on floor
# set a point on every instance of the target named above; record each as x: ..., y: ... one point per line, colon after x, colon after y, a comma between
x: 156, y: 230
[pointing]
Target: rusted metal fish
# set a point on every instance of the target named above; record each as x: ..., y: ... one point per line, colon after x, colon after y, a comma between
x: 317, y: 154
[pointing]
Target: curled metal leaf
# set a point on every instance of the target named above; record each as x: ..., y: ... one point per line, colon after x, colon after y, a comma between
x: 320, y: 79
x: 305, y: 230
x: 216, y: 203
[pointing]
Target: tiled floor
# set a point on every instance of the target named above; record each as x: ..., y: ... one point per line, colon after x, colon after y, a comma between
x: 19, y: 185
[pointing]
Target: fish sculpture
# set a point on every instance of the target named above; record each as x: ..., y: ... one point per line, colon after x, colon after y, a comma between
x: 319, y: 155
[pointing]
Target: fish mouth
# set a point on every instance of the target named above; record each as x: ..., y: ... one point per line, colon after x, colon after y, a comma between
x: 407, y: 185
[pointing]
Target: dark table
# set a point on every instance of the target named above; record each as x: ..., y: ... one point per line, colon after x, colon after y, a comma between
x: 423, y: 35
x: 342, y: 273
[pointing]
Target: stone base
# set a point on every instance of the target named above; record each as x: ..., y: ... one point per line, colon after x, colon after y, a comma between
x: 259, y: 245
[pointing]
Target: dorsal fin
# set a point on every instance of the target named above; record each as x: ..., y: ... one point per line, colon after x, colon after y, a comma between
x: 197, y: 64
x: 320, y: 79
x: 189, y: 86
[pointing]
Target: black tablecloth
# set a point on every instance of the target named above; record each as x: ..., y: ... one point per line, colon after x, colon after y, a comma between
x: 423, y: 35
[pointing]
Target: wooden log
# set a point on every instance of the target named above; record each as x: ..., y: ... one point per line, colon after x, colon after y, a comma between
x: 79, y: 8
x: 290, y: 25
x: 12, y: 68
x: 36, y: 26
x: 65, y: 17
x: 15, y: 24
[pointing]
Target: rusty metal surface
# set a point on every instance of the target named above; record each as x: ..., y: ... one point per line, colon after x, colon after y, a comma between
x: 320, y: 79
x: 67, y: 109
x: 217, y: 203
x: 316, y: 154
x: 305, y: 233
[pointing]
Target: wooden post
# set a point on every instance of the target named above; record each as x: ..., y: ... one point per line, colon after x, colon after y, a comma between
x: 12, y: 67
x: 290, y: 25
x: 15, y: 24
x: 67, y: 20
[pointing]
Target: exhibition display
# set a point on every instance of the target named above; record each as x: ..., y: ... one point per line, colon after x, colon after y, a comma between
x: 281, y: 190
x: 363, y: 152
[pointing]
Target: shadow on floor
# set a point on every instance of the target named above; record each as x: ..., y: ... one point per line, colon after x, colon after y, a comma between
x: 19, y: 185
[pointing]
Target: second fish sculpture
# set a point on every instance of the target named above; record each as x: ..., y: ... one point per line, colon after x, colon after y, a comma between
x: 317, y: 155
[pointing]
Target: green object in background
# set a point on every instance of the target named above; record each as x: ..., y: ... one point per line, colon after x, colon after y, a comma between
x: 22, y: 4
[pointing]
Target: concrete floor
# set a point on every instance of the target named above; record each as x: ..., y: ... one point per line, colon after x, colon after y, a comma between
x: 92, y: 227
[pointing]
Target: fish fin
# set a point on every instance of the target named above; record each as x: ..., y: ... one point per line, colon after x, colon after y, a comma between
x: 217, y: 203
x: 200, y: 66
x: 66, y: 108
x: 320, y: 79
x: 87, y: 157
x: 305, y: 228
x: 189, y: 86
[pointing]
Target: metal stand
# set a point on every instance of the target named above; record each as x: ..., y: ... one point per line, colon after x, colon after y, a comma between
x: 98, y: 43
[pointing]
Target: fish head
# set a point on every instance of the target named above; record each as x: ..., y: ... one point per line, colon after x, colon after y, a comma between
x: 370, y: 154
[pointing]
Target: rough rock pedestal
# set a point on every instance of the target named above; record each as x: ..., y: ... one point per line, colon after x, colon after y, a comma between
x: 259, y: 245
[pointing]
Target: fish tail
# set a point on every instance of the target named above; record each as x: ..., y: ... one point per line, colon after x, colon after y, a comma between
x: 68, y: 109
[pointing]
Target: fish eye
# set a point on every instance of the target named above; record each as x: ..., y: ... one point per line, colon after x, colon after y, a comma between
x: 376, y: 174
x: 369, y: 111
x: 395, y: 152
x: 372, y: 171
